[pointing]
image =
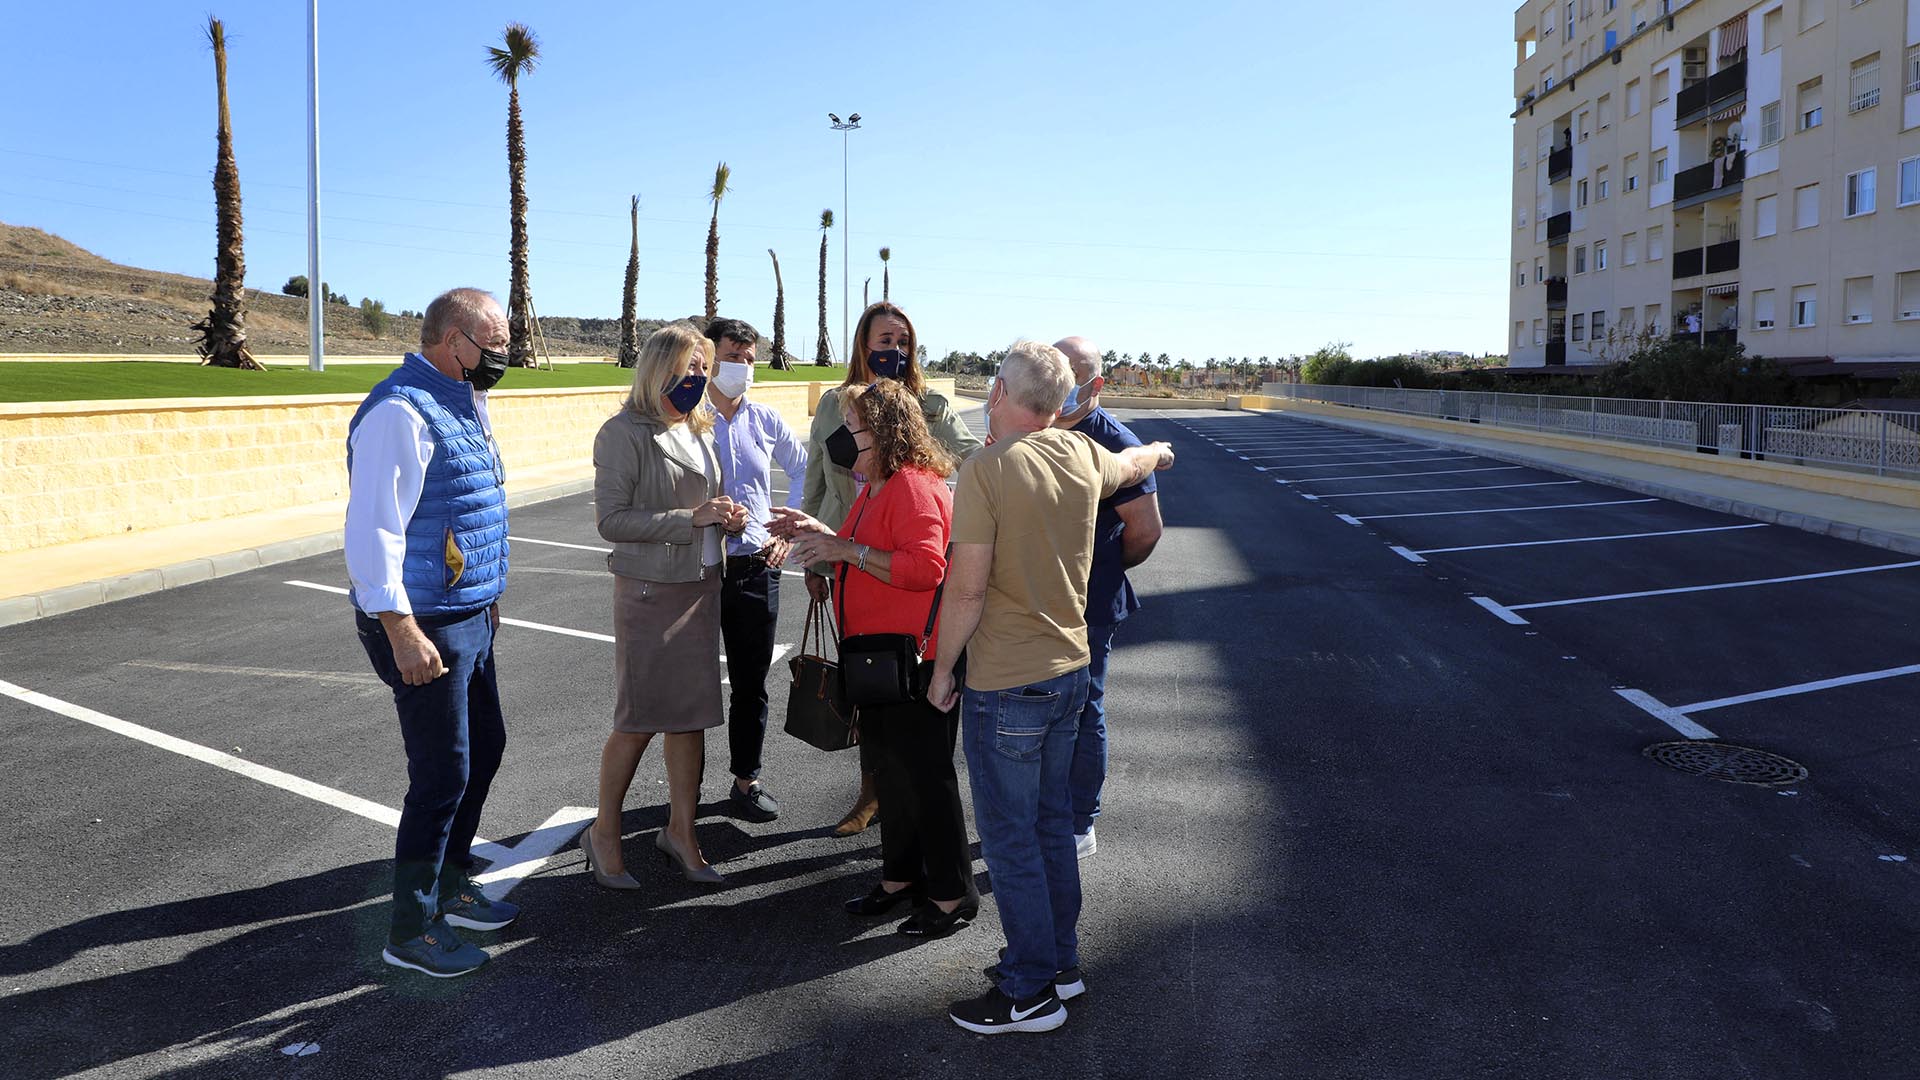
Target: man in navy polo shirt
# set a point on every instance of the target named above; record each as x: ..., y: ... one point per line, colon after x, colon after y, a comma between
x: 1124, y: 534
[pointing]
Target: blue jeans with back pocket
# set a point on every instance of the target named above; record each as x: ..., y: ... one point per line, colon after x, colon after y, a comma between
x: 1019, y: 745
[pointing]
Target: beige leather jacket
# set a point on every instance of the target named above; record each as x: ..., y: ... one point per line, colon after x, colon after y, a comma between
x: 644, y: 494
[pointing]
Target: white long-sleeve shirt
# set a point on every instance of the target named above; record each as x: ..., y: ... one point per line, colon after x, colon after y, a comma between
x: 391, y: 449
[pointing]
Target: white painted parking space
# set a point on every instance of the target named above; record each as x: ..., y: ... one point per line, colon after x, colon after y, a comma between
x: 1680, y: 716
x: 1754, y: 583
x: 1431, y: 491
x: 1507, y: 509
x: 600, y: 550
x: 1591, y: 539
x: 1361, y: 454
x: 1393, y: 476
x: 1374, y: 464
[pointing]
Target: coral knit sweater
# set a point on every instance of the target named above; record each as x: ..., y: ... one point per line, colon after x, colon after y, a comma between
x: 911, y: 517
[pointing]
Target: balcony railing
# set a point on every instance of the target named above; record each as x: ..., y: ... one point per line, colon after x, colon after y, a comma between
x: 1721, y: 339
x: 1692, y: 105
x: 1556, y: 292
x: 1557, y: 353
x: 1723, y: 257
x: 1558, y: 226
x: 1712, y: 180
x: 1689, y: 263
x: 1559, y: 164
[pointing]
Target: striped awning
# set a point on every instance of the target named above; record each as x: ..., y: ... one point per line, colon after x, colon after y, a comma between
x: 1733, y: 36
x: 1728, y: 113
x: 1732, y: 288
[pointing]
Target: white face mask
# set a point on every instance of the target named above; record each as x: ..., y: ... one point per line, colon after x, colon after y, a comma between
x: 732, y: 380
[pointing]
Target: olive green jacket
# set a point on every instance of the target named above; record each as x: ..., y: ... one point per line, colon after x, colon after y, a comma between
x: 830, y: 489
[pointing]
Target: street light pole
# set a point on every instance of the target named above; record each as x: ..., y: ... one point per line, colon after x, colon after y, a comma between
x: 316, y: 296
x: 844, y: 127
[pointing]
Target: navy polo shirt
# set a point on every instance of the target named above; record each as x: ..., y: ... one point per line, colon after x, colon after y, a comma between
x: 1110, y: 596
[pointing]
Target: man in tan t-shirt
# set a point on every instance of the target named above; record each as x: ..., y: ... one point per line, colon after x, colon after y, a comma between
x: 1016, y: 598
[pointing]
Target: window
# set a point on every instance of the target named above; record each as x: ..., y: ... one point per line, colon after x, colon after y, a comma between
x: 1579, y: 327
x: 1652, y: 321
x: 1583, y: 125
x: 1770, y: 130
x: 1519, y: 275
x: 1660, y: 167
x: 1656, y: 244
x: 1861, y: 197
x: 1771, y: 26
x: 1539, y: 331
x: 1599, y: 326
x: 1806, y: 206
x: 1910, y: 181
x: 1631, y: 242
x: 1520, y: 220
x: 1859, y: 297
x: 1600, y: 184
x: 1763, y: 309
x: 1805, y: 304
x: 1539, y: 271
x: 1580, y: 259
x: 1624, y: 324
x: 1913, y: 69
x: 1632, y: 168
x: 1766, y: 216
x: 1519, y: 335
x: 1907, y: 303
x: 1809, y: 105
x: 1582, y: 188
x: 1600, y: 256
x: 1545, y: 135
x: 1606, y: 111
x: 1569, y: 20
x: 1863, y: 84
x: 1633, y: 98
x: 1812, y: 14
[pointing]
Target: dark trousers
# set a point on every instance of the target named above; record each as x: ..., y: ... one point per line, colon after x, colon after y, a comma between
x: 454, y: 735
x: 749, y: 610
x: 923, y: 832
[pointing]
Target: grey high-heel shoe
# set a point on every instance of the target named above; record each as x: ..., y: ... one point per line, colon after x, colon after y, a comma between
x: 706, y: 875
x: 622, y: 880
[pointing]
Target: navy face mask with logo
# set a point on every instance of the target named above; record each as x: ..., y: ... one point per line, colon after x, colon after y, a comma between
x: 887, y: 363
x: 688, y: 393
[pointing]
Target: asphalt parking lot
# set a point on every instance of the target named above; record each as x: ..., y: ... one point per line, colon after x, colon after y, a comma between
x: 1378, y: 808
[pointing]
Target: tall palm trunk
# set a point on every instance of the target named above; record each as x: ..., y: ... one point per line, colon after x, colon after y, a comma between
x: 779, y: 316
x: 823, y: 351
x: 629, y: 298
x: 223, y: 333
x: 520, y: 56
x: 718, y: 192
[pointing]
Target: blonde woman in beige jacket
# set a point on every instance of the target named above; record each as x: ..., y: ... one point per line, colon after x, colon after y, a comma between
x: 657, y: 492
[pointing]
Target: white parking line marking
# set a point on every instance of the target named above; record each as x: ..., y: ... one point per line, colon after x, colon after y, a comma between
x: 1714, y: 588
x: 519, y: 862
x: 1504, y: 614
x: 1404, y: 475
x: 341, y: 677
x: 1508, y: 509
x: 1349, y: 520
x: 1668, y: 715
x: 1429, y: 491
x: 1800, y: 688
x: 1346, y: 454
x: 1591, y: 539
x: 1410, y: 556
x: 522, y: 623
x: 1394, y: 461
x: 556, y: 543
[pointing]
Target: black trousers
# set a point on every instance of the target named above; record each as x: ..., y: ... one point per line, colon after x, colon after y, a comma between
x: 923, y: 830
x: 749, y: 609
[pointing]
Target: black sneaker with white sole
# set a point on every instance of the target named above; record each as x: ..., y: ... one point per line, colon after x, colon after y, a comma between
x: 994, y: 1013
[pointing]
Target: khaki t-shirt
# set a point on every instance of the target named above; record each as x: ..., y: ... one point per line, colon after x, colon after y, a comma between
x: 1033, y: 498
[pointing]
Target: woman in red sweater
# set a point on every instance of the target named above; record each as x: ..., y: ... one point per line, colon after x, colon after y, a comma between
x: 888, y: 558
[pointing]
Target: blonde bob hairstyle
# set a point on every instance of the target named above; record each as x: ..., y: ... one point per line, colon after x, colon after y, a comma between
x: 661, y: 366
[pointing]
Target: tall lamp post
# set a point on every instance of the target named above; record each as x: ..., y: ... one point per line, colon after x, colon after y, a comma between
x: 850, y: 124
x: 316, y: 297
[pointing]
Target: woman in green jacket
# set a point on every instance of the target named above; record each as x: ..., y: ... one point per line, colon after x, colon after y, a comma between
x: 885, y: 347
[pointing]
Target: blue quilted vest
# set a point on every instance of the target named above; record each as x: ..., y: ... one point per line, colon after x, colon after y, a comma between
x: 457, y: 538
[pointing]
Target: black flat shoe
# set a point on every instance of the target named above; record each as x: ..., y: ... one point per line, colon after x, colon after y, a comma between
x: 880, y: 901
x: 930, y: 922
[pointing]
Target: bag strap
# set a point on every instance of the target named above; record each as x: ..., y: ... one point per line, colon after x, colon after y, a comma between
x: 933, y: 613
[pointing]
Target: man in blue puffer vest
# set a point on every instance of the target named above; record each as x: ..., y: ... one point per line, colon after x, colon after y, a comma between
x: 426, y: 544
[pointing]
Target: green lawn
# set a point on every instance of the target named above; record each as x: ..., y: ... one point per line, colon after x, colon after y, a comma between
x: 58, y: 381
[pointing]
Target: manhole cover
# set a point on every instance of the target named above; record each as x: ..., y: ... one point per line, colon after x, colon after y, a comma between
x: 1724, y: 761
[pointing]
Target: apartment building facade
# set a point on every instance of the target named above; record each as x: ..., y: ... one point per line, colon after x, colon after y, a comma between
x: 1727, y: 170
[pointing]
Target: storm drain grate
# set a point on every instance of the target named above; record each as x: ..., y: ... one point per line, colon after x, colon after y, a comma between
x: 1724, y: 761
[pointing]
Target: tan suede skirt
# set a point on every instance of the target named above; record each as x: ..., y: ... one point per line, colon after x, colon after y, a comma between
x: 666, y: 655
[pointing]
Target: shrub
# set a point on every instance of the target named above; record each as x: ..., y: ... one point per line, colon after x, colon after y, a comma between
x: 295, y: 286
x: 374, y: 314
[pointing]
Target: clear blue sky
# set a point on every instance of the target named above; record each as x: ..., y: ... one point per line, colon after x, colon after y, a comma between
x: 1202, y: 179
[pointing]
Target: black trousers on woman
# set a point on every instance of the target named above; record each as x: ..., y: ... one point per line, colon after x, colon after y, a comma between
x: 923, y: 830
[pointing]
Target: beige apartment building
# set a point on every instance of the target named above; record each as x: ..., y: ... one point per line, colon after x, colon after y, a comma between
x: 1730, y: 170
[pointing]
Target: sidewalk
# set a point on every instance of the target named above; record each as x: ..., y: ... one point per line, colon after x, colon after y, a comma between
x: 67, y: 577
x: 1880, y: 524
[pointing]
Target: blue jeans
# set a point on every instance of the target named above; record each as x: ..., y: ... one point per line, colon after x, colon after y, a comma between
x: 455, y: 736
x: 1019, y: 745
x: 1090, y: 750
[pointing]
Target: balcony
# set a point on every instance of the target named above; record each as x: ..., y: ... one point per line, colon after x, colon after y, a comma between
x: 1557, y: 352
x: 1724, y: 87
x: 1712, y: 339
x: 1689, y: 263
x: 1723, y: 257
x: 1716, y: 179
x: 1556, y: 293
x: 1558, y: 226
x: 1559, y: 164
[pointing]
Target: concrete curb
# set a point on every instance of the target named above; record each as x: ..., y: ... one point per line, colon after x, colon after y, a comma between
x: 1841, y: 530
x: 19, y: 609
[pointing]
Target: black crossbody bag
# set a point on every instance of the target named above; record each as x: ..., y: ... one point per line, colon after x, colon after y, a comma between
x: 884, y: 669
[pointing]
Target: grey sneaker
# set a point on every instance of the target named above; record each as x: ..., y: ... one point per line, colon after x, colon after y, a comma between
x: 1084, y: 844
x: 439, y: 952
x: 465, y: 905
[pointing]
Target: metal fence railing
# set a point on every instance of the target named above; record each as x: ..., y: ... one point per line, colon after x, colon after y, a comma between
x: 1862, y: 440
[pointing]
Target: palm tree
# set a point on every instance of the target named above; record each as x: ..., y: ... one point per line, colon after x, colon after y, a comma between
x: 779, y: 316
x: 720, y: 176
x: 823, y: 352
x: 520, y: 56
x: 223, y: 333
x: 886, y: 276
x: 629, y: 338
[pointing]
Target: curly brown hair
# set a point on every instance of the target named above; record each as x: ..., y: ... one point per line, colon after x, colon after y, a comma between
x: 898, y: 428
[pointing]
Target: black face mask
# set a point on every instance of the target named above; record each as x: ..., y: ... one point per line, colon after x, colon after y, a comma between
x: 492, y: 366
x: 842, y: 448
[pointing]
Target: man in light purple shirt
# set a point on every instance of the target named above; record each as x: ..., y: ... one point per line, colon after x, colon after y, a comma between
x: 750, y: 438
